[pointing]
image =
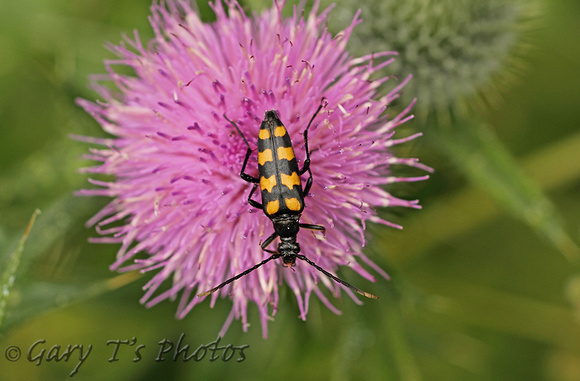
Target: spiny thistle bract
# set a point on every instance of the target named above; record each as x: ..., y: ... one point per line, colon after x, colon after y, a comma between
x: 460, y: 52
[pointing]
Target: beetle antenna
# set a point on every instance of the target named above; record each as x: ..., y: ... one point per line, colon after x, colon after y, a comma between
x: 336, y: 279
x: 274, y: 256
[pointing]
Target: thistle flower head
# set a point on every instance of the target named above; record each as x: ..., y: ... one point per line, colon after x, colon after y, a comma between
x: 177, y: 195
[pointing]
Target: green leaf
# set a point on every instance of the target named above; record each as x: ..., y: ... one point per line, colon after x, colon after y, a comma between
x: 38, y: 297
x: 486, y: 163
x: 32, y: 296
x: 462, y: 303
x: 549, y: 168
x: 59, y: 218
x: 9, y: 273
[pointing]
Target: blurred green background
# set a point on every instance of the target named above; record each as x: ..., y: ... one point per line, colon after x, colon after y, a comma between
x: 485, y: 279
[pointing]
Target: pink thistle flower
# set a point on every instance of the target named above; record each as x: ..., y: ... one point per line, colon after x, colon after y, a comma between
x: 176, y: 161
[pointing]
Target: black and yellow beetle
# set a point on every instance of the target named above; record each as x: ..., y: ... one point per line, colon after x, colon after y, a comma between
x: 282, y: 193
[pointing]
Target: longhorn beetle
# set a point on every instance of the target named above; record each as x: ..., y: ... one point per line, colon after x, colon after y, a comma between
x: 282, y: 194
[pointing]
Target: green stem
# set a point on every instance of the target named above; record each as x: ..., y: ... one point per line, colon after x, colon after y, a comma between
x: 500, y: 183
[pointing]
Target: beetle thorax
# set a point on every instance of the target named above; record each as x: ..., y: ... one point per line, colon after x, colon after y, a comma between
x: 286, y: 225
